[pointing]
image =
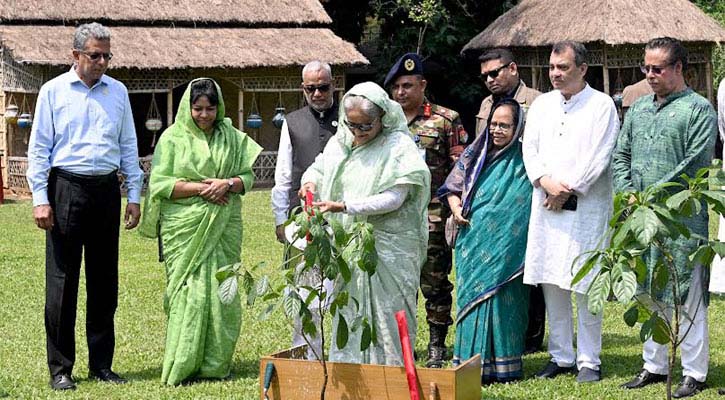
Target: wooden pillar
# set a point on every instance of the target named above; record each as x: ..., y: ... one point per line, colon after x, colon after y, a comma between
x: 708, y: 76
x: 240, y: 117
x: 535, y: 78
x: 170, y: 104
x: 606, y: 78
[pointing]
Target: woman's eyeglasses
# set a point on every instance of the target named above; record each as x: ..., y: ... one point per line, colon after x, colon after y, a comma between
x: 96, y: 56
x: 656, y: 69
x: 499, y: 126
x: 324, y: 88
x: 360, y: 127
x: 494, y: 73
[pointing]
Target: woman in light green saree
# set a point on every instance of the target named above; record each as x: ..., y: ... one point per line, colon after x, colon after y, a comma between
x: 372, y: 171
x: 201, y: 168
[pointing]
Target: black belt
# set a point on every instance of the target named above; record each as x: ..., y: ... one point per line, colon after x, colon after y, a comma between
x: 87, y: 179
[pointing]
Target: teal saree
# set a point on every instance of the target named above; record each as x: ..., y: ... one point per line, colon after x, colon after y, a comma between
x: 492, y: 300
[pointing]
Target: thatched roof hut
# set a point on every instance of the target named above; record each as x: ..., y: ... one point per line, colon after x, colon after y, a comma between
x: 253, y: 48
x: 614, y: 31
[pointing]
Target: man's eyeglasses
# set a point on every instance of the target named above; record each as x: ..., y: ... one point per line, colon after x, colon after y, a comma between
x: 499, y: 126
x: 324, y: 88
x: 360, y: 127
x: 656, y: 69
x: 96, y: 56
x: 494, y: 73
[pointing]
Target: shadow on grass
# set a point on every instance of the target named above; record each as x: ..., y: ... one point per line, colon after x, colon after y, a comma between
x: 245, y: 369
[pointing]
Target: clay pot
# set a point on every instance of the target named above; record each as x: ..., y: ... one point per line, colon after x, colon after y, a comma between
x: 25, y: 120
x: 254, y: 121
x: 153, y: 124
x: 278, y: 118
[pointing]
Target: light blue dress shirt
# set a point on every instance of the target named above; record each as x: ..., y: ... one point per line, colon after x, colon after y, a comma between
x: 88, y: 131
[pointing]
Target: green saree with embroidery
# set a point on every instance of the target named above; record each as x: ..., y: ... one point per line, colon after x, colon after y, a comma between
x: 198, y: 237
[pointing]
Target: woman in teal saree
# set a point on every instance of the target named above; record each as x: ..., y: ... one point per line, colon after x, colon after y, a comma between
x: 201, y: 168
x: 490, y: 196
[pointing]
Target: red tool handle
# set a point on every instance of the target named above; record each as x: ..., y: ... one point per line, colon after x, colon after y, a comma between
x: 309, y: 196
x: 407, y: 355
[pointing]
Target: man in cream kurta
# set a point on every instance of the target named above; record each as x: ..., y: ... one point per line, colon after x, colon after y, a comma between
x: 569, y: 136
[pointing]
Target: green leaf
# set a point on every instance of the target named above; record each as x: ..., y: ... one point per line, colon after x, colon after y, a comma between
x: 586, y: 267
x: 645, y: 332
x: 645, y: 225
x: 344, y: 269
x: 267, y: 311
x: 661, y: 276
x: 660, y: 330
x: 341, y: 237
x: 366, y: 337
x: 639, y: 267
x: 718, y: 247
x: 703, y: 255
x: 228, y: 290
x: 291, y: 304
x: 310, y: 255
x: 630, y: 316
x: 263, y: 285
x: 342, y: 332
x: 676, y: 201
x: 716, y: 198
x: 626, y: 285
x: 598, y: 292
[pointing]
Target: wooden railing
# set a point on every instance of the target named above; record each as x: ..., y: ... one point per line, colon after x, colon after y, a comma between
x: 263, y: 172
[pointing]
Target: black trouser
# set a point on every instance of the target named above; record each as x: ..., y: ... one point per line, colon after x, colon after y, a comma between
x: 537, y: 319
x: 86, y: 211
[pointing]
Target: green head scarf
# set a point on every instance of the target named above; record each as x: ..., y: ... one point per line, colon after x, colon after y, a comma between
x: 185, y: 153
x: 393, y: 120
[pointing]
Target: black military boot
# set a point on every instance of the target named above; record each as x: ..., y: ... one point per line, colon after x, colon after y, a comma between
x: 436, y: 345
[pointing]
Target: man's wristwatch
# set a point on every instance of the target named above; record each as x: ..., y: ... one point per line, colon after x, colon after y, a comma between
x: 230, y: 181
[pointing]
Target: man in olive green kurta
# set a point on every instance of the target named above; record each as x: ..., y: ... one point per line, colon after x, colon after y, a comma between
x: 664, y: 135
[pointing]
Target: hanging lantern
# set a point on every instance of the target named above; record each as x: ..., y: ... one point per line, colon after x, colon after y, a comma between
x: 254, y: 120
x: 153, y: 117
x: 25, y: 120
x: 11, y: 111
x: 618, y: 90
x: 278, y: 118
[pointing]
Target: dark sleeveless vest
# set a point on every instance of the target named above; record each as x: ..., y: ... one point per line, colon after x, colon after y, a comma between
x: 309, y: 132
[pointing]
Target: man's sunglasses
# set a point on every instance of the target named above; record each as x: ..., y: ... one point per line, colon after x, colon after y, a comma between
x: 656, y: 69
x: 96, y: 56
x: 493, y: 74
x: 360, y: 127
x: 324, y: 88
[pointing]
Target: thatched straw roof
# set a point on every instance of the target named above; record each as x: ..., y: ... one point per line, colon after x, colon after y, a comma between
x: 535, y: 23
x: 244, y: 12
x: 176, y: 48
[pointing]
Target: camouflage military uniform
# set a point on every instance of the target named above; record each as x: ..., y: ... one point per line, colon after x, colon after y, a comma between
x: 439, y: 134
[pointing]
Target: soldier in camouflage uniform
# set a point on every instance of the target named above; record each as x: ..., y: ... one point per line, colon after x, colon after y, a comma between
x: 440, y: 136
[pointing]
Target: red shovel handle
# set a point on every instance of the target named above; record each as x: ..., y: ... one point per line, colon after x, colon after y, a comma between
x: 407, y: 355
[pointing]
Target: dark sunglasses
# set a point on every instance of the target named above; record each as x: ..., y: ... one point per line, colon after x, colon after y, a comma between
x: 360, y: 127
x: 656, y: 69
x: 324, y: 88
x: 493, y: 74
x: 96, y: 56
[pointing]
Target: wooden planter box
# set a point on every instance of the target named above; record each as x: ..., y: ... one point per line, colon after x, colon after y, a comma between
x: 298, y: 379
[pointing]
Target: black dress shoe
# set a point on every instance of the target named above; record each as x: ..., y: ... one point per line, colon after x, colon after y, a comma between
x: 106, y: 375
x: 721, y: 391
x: 689, y: 386
x: 589, y: 375
x: 552, y: 369
x: 62, y: 382
x: 643, y: 379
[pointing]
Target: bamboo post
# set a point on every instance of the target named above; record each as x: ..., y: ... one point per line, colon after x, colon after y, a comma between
x: 240, y: 117
x: 605, y: 72
x: 535, y: 78
x: 170, y: 104
x: 708, y: 76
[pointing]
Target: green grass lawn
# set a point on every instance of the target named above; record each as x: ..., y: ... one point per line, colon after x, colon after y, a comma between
x: 140, y: 327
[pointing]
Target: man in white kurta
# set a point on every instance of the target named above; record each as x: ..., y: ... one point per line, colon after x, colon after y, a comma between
x: 568, y: 141
x: 717, y: 274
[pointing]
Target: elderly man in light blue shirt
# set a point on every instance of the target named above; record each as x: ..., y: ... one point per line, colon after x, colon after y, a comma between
x: 83, y: 134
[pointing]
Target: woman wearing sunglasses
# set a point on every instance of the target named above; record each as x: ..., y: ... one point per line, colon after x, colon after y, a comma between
x: 490, y: 199
x: 371, y: 171
x: 202, y: 166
